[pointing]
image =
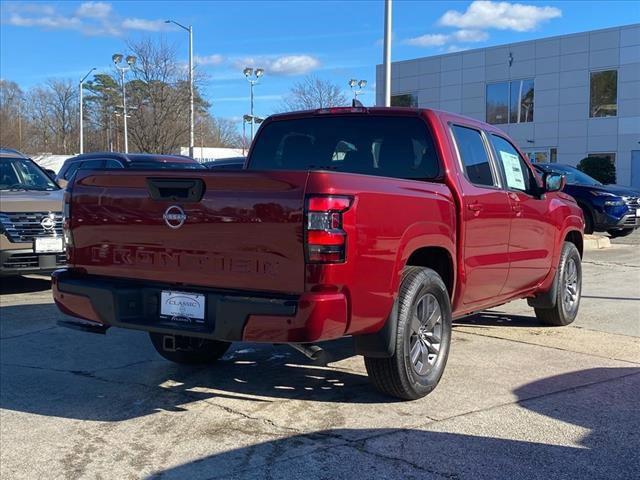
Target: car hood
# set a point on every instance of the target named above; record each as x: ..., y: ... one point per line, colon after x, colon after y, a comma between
x: 615, y: 189
x: 31, y: 201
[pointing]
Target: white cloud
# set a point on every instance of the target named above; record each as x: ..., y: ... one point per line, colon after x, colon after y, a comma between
x: 90, y: 18
x: 293, y: 65
x: 482, y: 14
x: 215, y: 59
x: 428, y: 40
x: 94, y: 10
x: 144, y: 25
x: 441, y: 39
x: 470, y: 36
x: 281, y: 65
x: 52, y: 22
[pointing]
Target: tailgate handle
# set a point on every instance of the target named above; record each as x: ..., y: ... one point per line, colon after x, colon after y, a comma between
x: 176, y: 189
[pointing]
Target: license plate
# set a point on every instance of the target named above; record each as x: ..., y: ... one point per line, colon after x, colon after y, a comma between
x: 182, y: 306
x: 48, y: 245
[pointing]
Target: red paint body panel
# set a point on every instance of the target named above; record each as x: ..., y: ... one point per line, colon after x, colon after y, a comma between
x: 247, y: 234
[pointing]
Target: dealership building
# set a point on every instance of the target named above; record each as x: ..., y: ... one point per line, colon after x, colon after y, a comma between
x: 560, y: 98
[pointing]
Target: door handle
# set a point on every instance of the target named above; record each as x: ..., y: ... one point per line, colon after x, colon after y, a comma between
x: 474, y: 207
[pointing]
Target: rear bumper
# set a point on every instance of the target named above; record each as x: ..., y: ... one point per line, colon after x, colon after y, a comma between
x: 23, y: 261
x: 229, y: 315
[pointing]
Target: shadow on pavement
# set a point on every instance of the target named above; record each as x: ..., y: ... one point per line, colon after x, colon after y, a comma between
x: 498, y: 319
x: 10, y: 285
x: 119, y: 376
x: 606, y: 409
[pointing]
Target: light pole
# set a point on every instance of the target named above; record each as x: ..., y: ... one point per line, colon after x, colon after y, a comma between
x: 249, y: 74
x: 131, y: 61
x: 386, y: 57
x: 357, y: 91
x: 191, y: 109
x: 81, y: 108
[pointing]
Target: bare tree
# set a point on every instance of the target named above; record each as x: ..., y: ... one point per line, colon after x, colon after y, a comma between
x: 313, y: 92
x: 11, y: 114
x: 217, y: 132
x: 63, y: 110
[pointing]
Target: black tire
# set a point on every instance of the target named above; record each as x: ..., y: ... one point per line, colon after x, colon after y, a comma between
x: 623, y: 232
x: 398, y: 376
x: 564, y: 312
x: 188, y: 350
x: 588, y: 221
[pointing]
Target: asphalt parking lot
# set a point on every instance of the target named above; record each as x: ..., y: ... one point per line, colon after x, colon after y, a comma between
x: 517, y: 400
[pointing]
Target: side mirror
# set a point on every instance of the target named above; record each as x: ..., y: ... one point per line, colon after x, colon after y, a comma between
x: 52, y: 174
x: 553, y: 182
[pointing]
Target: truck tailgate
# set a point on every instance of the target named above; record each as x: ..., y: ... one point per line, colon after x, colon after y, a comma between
x: 231, y: 230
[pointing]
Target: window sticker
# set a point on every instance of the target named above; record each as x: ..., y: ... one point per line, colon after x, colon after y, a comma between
x: 513, y: 170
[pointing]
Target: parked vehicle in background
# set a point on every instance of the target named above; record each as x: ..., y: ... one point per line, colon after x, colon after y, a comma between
x: 140, y: 161
x: 607, y: 208
x: 30, y: 217
x: 379, y: 223
x: 233, y: 163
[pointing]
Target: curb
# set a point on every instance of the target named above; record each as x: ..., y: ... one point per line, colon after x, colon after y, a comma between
x: 596, y: 242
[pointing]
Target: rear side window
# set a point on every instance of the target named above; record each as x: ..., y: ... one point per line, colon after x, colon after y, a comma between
x: 387, y: 146
x: 473, y: 155
x: 112, y: 164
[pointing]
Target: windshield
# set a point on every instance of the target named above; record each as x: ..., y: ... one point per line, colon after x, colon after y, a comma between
x: 23, y: 174
x: 573, y: 175
x: 390, y: 146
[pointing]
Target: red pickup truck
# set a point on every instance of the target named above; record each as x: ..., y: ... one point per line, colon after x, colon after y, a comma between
x: 383, y: 224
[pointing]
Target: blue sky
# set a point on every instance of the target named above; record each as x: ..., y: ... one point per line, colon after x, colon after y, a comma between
x: 332, y: 40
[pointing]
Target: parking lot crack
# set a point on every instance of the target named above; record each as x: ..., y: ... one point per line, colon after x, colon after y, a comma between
x: 34, y: 332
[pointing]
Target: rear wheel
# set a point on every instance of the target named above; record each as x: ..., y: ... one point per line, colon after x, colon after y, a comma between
x: 422, y: 339
x: 623, y: 232
x: 188, y: 350
x: 569, y: 289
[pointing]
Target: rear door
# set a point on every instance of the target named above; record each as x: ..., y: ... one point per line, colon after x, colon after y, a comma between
x: 215, y: 229
x: 486, y: 218
x: 533, y: 229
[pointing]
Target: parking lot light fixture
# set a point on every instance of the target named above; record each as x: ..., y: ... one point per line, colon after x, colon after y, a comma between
x: 192, y: 124
x: 253, y: 77
x: 81, y: 111
x: 360, y: 84
x: 131, y: 61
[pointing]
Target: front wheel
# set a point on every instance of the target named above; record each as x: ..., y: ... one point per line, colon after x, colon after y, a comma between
x: 188, y: 350
x: 569, y: 289
x: 623, y: 232
x: 422, y: 340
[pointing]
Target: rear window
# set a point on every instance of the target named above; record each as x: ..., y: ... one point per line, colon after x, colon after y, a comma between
x: 151, y: 165
x: 387, y: 146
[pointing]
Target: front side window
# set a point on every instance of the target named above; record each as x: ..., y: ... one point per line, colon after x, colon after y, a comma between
x: 603, y: 94
x: 473, y: 155
x: 516, y: 171
x: 404, y: 100
x: 112, y: 164
x: 389, y: 146
x: 510, y: 102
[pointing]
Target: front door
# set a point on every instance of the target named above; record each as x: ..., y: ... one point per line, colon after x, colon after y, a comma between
x: 486, y: 213
x: 532, y: 231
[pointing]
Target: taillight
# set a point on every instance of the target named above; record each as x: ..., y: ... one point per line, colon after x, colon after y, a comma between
x: 325, y: 240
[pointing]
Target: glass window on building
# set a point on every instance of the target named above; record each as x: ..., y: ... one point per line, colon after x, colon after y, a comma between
x: 521, y: 104
x: 510, y: 102
x: 604, y: 94
x: 404, y: 100
x: 498, y: 103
